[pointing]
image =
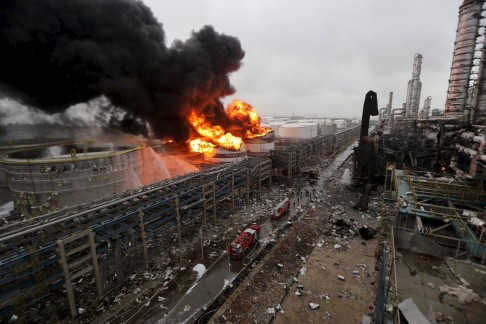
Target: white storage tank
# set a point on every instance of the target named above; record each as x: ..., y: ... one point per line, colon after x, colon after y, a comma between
x: 275, y: 126
x: 310, y: 129
x: 327, y: 129
x: 261, y: 144
x: 296, y: 130
x: 292, y: 130
x: 223, y: 155
x: 340, y: 124
x: 266, y: 119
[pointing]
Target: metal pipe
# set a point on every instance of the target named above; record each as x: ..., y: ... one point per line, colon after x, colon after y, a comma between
x: 382, y: 113
x: 395, y: 111
x: 472, y: 153
x: 461, y: 174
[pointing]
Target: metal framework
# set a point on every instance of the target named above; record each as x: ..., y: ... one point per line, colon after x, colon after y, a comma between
x: 420, y: 196
x: 109, y: 239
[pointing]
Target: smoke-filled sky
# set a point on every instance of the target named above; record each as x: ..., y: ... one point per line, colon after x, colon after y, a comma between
x: 311, y: 58
x: 321, y: 57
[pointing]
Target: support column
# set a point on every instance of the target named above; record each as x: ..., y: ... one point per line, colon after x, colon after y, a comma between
x: 96, y: 267
x: 247, y: 185
x: 289, y: 168
x: 259, y: 180
x: 232, y: 193
x: 204, y: 205
x: 214, y: 203
x: 144, y: 242
x: 178, y: 220
x: 67, y: 280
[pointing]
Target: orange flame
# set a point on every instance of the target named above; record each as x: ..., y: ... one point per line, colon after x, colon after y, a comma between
x: 247, y: 115
x: 211, y: 135
x: 245, y: 122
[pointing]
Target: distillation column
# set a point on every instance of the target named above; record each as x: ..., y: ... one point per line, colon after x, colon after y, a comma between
x: 414, y: 88
x: 426, y: 109
x: 459, y: 92
x: 477, y: 79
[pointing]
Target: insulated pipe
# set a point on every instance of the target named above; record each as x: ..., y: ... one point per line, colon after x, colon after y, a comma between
x: 461, y: 174
x: 472, y: 153
x: 478, y: 139
x: 383, y: 113
x: 395, y: 111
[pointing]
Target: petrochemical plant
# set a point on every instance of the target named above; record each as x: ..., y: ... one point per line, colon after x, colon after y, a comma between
x: 92, y: 214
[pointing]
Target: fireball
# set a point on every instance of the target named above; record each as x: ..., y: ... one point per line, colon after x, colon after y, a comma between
x: 244, y: 121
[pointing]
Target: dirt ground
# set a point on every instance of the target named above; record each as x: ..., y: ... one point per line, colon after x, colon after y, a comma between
x: 303, y: 267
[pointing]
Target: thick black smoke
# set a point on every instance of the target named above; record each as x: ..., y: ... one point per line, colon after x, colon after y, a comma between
x: 56, y: 53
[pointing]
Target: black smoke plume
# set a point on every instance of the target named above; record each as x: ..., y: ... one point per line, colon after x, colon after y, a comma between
x: 56, y: 53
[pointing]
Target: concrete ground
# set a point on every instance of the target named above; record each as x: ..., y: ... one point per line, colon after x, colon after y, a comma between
x: 453, y: 291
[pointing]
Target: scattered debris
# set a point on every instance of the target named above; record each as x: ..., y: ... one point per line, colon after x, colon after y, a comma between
x: 313, y: 305
x: 367, y: 233
x: 464, y: 295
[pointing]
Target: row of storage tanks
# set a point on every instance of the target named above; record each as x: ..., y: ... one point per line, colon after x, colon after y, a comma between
x: 306, y: 128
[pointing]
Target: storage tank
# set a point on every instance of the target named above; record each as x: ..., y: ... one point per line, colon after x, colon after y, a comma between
x: 261, y: 144
x: 340, y: 124
x: 45, y: 179
x: 266, y: 119
x: 297, y: 130
x: 310, y: 129
x: 328, y: 128
x: 222, y: 155
x: 292, y: 130
x: 275, y: 126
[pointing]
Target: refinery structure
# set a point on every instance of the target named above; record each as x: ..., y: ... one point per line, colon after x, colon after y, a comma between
x: 109, y: 231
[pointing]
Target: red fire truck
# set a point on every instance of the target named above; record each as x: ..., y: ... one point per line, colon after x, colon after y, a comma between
x: 241, y: 244
x: 282, y: 208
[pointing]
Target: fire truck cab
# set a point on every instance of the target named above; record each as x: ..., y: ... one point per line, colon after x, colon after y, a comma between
x: 241, y: 244
x: 282, y: 208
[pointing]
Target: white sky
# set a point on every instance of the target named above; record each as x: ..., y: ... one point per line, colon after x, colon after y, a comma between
x: 320, y: 57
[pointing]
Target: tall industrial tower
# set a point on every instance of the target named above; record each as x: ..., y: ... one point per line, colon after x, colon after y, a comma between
x: 414, y: 89
x: 466, y: 96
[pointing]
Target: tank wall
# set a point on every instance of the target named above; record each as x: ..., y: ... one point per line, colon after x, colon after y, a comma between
x: 260, y: 147
x: 69, y: 182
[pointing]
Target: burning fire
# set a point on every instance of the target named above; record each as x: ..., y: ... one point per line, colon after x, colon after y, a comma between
x: 246, y: 115
x: 211, y: 135
x: 244, y: 122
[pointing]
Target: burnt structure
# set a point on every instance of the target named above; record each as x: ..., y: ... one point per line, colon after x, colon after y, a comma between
x: 103, y: 242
